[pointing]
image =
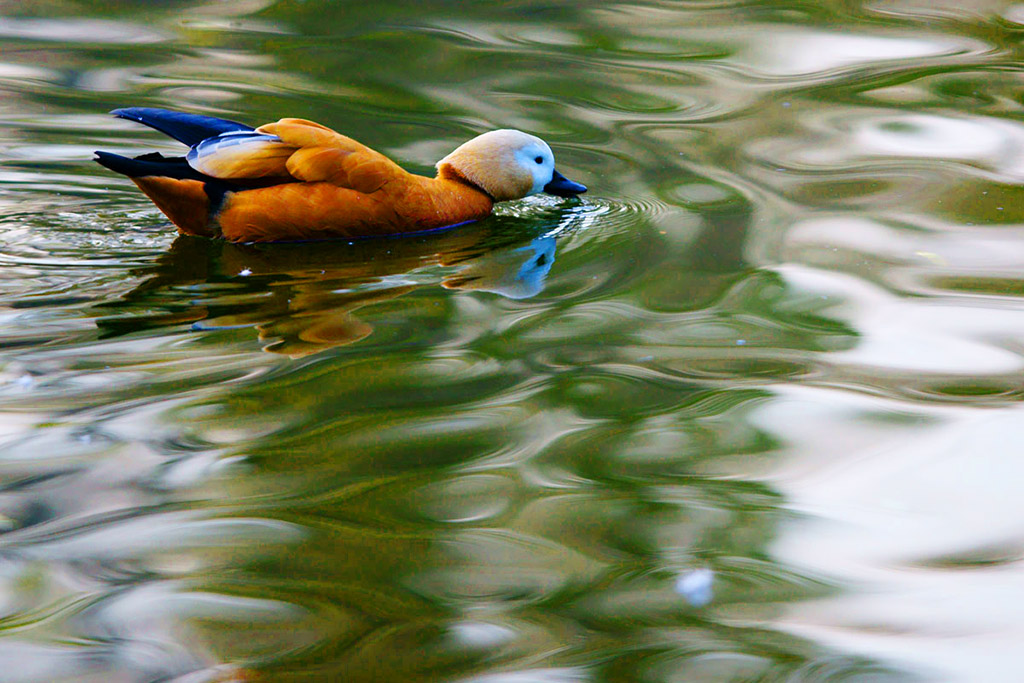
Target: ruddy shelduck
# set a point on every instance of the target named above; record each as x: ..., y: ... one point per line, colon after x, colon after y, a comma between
x: 297, y: 180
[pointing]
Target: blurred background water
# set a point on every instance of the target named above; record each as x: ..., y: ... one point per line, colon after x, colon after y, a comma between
x: 750, y: 410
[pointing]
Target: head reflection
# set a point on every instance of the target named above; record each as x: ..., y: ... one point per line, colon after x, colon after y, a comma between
x: 514, y: 273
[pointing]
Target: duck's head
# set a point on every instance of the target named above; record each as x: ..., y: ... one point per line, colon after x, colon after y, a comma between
x: 508, y: 164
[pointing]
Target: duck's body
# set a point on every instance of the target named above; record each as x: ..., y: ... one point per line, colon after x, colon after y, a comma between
x: 297, y: 180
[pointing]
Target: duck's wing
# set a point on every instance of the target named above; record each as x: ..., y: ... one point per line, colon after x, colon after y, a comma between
x: 190, y: 129
x: 294, y: 149
x: 234, y: 156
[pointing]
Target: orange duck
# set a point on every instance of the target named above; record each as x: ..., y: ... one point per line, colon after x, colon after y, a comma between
x: 297, y: 180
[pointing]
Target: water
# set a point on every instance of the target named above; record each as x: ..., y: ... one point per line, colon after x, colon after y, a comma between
x: 750, y: 410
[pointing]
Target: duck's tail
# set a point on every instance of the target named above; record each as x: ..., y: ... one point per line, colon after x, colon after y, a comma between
x: 152, y: 164
x: 186, y: 196
x: 182, y: 193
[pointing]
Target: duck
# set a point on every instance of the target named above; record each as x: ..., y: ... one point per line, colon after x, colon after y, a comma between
x: 296, y: 180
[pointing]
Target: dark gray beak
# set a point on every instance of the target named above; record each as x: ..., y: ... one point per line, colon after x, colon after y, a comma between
x: 560, y: 186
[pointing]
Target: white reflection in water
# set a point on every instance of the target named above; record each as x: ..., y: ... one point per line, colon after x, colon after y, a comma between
x: 481, y: 635
x: 553, y: 675
x: 27, y: 662
x: 1014, y: 14
x: 777, y: 51
x: 994, y: 143
x: 159, y: 606
x: 963, y: 251
x: 48, y: 153
x: 783, y: 50
x: 138, y: 633
x: 902, y: 334
x: 26, y: 72
x: 106, y: 80
x: 938, y: 137
x: 78, y: 31
x: 991, y: 143
x: 921, y: 516
x: 155, y: 533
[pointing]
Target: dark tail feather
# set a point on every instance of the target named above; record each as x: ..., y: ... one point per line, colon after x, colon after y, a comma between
x: 190, y: 129
x: 153, y: 164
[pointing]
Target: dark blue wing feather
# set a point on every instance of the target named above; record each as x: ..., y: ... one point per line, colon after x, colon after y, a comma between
x: 153, y: 164
x: 190, y: 129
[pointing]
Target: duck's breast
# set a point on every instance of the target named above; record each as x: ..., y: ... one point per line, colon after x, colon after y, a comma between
x: 302, y: 211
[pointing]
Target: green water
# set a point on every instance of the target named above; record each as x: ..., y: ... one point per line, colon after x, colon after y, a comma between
x: 749, y: 410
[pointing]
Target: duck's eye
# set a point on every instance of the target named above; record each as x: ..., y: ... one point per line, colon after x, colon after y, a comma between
x: 539, y: 160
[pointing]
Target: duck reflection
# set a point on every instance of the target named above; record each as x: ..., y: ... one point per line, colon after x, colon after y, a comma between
x: 302, y: 298
x: 514, y: 273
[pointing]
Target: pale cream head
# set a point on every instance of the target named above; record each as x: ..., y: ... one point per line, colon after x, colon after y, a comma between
x: 506, y: 164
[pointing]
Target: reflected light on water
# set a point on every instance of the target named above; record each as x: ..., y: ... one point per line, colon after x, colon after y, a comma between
x: 938, y: 589
x: 78, y: 31
x: 939, y: 338
x: 813, y: 52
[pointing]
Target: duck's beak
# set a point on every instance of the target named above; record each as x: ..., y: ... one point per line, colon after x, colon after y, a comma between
x: 560, y: 186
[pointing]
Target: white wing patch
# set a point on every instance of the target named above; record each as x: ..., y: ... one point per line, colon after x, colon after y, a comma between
x: 241, y: 154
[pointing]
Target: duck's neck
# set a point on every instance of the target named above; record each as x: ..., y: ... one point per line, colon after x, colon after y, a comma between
x: 448, y: 173
x: 456, y: 200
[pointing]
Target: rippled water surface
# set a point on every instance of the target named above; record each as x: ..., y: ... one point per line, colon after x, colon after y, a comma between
x: 749, y: 410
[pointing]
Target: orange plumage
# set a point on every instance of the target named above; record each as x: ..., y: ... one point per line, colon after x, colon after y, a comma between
x: 298, y: 180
